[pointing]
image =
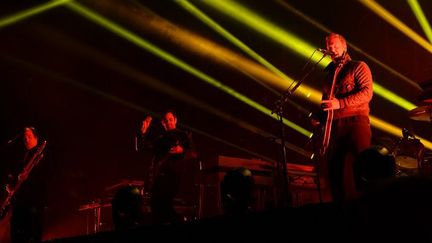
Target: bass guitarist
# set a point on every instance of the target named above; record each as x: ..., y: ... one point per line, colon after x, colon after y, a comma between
x: 26, y: 191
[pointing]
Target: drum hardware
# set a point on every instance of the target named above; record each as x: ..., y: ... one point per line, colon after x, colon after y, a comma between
x: 426, y: 164
x: 409, y: 154
x: 95, y: 206
x: 111, y: 190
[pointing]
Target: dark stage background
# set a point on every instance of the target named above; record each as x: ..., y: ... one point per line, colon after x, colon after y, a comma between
x: 86, y: 88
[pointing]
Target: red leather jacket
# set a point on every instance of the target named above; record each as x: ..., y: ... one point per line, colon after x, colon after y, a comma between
x: 353, y: 88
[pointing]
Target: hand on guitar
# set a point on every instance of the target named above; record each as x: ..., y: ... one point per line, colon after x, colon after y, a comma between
x: 332, y: 104
x: 145, y: 124
x: 177, y: 149
x: 315, y: 122
x: 9, y: 188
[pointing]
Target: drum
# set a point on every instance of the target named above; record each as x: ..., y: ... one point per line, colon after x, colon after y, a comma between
x: 408, y: 156
x: 426, y: 164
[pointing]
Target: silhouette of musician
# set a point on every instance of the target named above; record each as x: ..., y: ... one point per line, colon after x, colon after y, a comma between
x: 26, y: 190
x: 173, y: 154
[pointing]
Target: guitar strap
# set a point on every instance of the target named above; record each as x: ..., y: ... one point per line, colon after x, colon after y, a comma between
x: 330, y: 113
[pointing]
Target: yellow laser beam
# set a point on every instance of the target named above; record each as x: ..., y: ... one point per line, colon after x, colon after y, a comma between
x: 421, y: 17
x: 133, y: 38
x: 22, y: 15
x: 395, y: 22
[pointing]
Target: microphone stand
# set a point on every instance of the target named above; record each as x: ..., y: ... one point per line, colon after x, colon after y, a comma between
x: 14, y: 138
x: 279, y: 104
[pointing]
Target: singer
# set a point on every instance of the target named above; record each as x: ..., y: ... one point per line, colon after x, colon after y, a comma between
x: 347, y: 91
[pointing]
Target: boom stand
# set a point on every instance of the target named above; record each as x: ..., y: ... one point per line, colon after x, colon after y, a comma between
x: 282, y: 172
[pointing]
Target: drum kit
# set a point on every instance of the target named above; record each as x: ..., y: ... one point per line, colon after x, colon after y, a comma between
x: 409, y: 157
x: 409, y: 153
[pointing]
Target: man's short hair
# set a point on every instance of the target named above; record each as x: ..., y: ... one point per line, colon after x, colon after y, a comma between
x: 339, y: 36
x: 33, y: 129
x: 171, y: 111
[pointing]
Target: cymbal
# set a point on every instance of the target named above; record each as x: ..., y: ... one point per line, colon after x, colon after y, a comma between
x: 93, y: 206
x: 124, y: 183
x: 421, y: 113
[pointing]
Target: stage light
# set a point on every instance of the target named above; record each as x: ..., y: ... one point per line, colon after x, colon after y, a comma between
x: 12, y: 19
x: 230, y: 37
x: 146, y: 45
x: 391, y: 19
x: 418, y: 12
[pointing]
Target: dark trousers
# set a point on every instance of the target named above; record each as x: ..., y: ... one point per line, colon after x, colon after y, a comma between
x: 26, y: 224
x: 350, y: 135
x: 174, y: 184
x: 163, y: 192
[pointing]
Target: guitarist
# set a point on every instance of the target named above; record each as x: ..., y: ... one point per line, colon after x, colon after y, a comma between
x: 28, y: 201
x: 174, y: 157
x: 347, y: 92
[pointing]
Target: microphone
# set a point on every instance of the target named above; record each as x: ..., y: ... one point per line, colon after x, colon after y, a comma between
x: 324, y: 51
x: 406, y: 133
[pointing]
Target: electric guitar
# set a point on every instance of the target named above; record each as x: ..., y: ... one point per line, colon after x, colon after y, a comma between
x: 330, y: 114
x: 22, y: 177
